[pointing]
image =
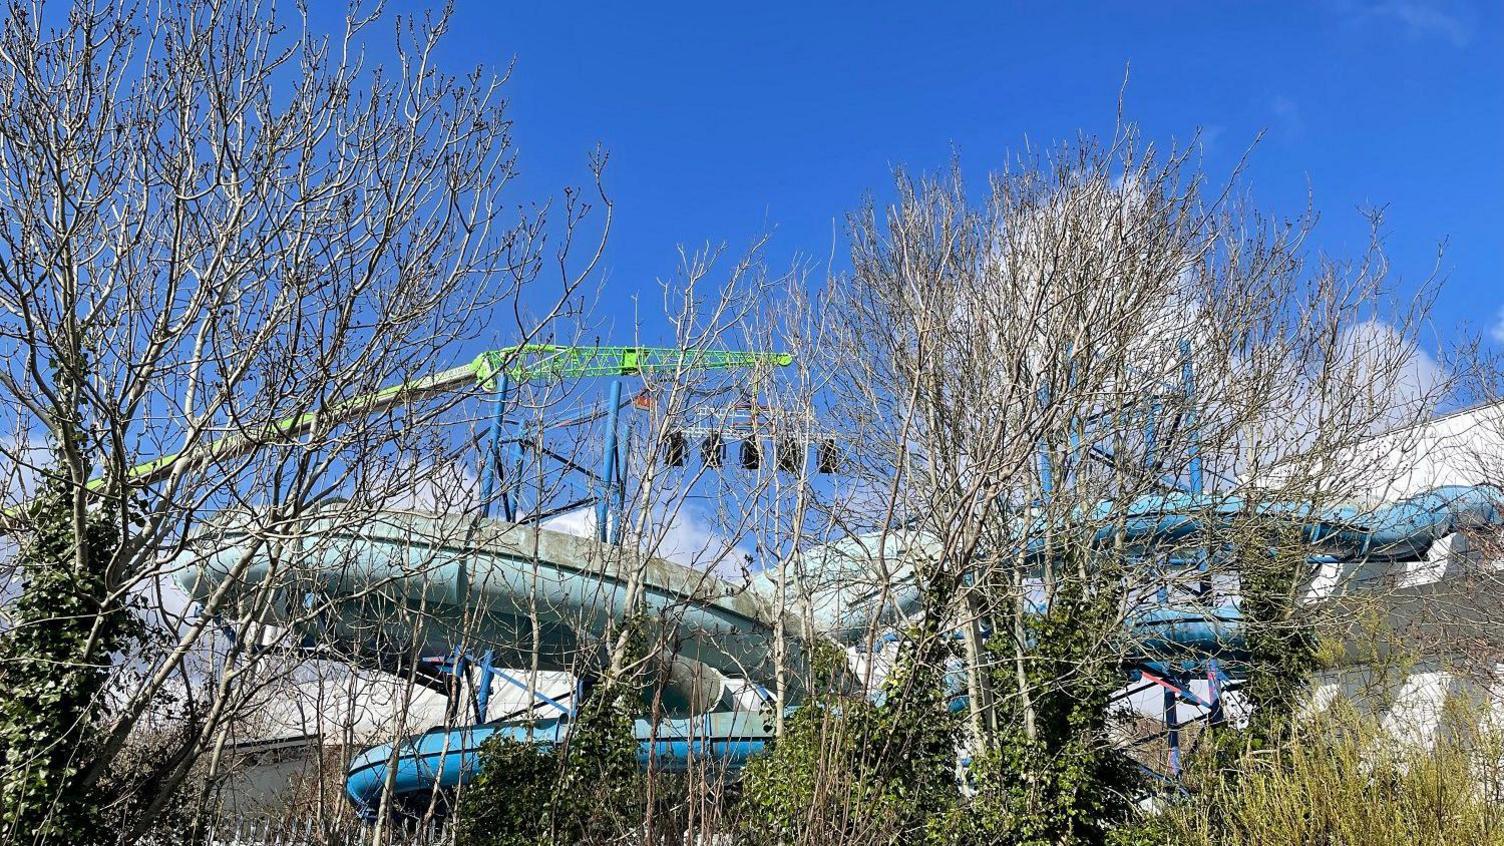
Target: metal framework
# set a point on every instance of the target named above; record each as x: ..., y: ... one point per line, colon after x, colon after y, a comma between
x: 501, y: 372
x: 1189, y: 617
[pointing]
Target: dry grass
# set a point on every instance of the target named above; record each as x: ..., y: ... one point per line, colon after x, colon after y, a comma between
x: 1343, y: 781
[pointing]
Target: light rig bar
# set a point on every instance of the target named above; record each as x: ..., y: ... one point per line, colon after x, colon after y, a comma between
x: 520, y: 363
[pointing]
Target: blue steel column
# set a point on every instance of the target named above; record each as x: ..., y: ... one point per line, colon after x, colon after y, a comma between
x: 1172, y: 726
x: 493, y: 449
x: 1046, y: 472
x: 1151, y: 437
x: 509, y: 502
x: 1193, y: 433
x: 1217, y: 715
x: 608, y: 480
x: 1193, y: 448
x: 621, y: 497
x: 483, y: 692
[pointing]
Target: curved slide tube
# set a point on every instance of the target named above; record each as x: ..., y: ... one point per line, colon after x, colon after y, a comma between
x: 479, y: 582
x: 491, y: 575
x: 1399, y: 531
x: 442, y: 760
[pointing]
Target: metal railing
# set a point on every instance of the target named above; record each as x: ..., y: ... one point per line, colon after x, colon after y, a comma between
x: 266, y: 832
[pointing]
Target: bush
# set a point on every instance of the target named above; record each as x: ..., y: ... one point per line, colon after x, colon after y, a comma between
x: 1068, y: 783
x: 1341, y: 780
x: 67, y: 628
x: 850, y: 771
x: 510, y: 802
x: 586, y: 790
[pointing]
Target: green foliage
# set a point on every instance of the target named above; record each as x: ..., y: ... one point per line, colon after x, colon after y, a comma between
x: 1341, y: 780
x: 55, y: 661
x: 1282, y: 647
x: 602, y: 793
x: 510, y: 802
x: 587, y: 790
x: 847, y: 770
x: 1067, y: 783
x: 1283, y: 652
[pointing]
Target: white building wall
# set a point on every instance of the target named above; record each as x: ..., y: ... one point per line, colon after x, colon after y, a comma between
x: 1435, y: 604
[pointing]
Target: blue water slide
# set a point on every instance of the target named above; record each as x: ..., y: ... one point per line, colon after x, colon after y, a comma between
x: 1401, y: 530
x: 1163, y: 633
x: 443, y: 759
x: 483, y: 583
x: 492, y: 575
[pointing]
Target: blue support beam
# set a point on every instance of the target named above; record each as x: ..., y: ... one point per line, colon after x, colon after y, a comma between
x: 1193, y: 433
x: 1046, y: 472
x: 1193, y: 450
x: 1214, y: 677
x: 509, y: 501
x: 1172, y: 729
x: 608, y: 481
x: 483, y: 688
x: 1151, y: 436
x: 492, y: 465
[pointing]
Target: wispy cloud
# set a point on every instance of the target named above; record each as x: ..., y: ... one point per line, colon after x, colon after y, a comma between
x: 1287, y: 117
x: 1426, y: 19
x: 1496, y: 331
x: 1208, y: 136
x: 687, y: 536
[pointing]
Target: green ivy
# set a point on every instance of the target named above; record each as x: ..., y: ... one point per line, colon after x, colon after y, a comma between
x: 588, y: 789
x: 1282, y: 654
x: 602, y: 793
x: 1282, y: 645
x: 510, y: 802
x: 848, y: 770
x: 1068, y: 783
x: 55, y: 662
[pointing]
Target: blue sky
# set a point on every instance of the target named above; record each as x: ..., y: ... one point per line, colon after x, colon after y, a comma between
x: 726, y: 120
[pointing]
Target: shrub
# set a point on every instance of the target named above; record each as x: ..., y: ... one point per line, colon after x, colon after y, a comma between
x: 1068, y: 782
x: 850, y: 771
x: 67, y: 627
x: 1340, y: 779
x: 511, y: 801
x: 586, y: 790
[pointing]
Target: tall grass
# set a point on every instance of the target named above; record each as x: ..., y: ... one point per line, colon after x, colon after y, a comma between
x: 1341, y: 780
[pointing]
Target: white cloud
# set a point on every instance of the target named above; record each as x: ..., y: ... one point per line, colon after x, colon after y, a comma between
x: 687, y: 537
x: 21, y: 458
x: 1496, y: 331
x: 442, y: 487
x: 1421, y: 18
x: 1287, y: 116
x: 1378, y: 379
x: 1209, y: 136
x: 691, y: 538
x: 580, y: 522
x: 1399, y: 377
x: 166, y: 604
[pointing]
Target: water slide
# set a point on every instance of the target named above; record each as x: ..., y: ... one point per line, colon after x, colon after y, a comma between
x: 443, y: 758
x: 419, y: 585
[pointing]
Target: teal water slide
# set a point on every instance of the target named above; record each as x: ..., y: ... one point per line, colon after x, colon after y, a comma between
x: 482, y: 583
x: 402, y: 591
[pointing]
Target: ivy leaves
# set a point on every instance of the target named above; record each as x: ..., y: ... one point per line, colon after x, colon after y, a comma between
x: 55, y: 662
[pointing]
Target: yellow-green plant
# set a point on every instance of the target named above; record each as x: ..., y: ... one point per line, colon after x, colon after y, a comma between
x: 1340, y: 779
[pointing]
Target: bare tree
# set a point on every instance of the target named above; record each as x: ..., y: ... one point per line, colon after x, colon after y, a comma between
x: 222, y: 233
x: 1026, y: 379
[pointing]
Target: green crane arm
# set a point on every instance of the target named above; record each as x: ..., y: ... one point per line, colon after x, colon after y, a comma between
x: 545, y: 361
x: 521, y: 363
